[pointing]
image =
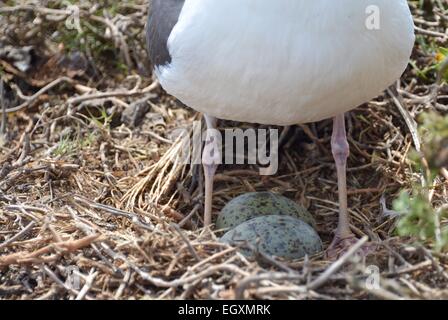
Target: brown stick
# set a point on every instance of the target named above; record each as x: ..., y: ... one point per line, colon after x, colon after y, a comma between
x: 60, y: 247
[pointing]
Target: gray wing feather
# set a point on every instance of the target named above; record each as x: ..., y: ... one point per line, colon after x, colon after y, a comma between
x: 163, y: 16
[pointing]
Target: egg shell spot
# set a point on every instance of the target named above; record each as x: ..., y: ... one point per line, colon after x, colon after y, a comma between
x: 251, y: 205
x: 280, y: 236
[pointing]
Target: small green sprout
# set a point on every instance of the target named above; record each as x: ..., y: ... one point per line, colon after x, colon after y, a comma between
x: 418, y: 216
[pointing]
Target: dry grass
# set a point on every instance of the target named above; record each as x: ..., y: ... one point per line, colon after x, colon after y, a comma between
x: 80, y: 187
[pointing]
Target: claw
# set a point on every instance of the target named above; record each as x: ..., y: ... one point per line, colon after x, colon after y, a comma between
x: 340, y: 245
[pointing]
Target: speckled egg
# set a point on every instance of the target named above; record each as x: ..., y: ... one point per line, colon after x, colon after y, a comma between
x: 255, y: 204
x: 280, y: 236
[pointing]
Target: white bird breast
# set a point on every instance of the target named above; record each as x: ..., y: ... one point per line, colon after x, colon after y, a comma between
x: 285, y: 62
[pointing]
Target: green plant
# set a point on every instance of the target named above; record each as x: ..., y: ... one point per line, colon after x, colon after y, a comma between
x: 102, y: 121
x: 439, y: 54
x: 65, y: 146
x: 70, y: 146
x: 418, y: 217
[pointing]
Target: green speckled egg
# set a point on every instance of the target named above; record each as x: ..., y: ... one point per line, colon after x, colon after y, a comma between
x: 280, y: 236
x: 255, y: 204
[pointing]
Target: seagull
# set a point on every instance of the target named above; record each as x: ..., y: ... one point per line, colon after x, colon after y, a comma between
x: 279, y: 62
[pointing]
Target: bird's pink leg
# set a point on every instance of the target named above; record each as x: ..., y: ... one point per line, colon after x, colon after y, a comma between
x: 211, y: 158
x: 340, y: 148
x: 341, y: 151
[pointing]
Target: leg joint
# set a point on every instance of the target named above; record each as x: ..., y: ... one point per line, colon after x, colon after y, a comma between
x: 340, y: 149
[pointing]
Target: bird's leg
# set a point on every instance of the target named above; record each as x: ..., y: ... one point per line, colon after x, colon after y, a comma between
x: 341, y: 151
x: 340, y: 148
x: 211, y: 158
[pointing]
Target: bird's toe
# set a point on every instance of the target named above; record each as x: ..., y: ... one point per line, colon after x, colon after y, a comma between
x: 341, y: 245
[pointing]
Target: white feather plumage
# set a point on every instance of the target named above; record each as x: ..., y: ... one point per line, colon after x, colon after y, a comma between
x: 285, y: 61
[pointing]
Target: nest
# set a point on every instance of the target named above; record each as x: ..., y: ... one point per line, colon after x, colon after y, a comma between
x: 96, y: 204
